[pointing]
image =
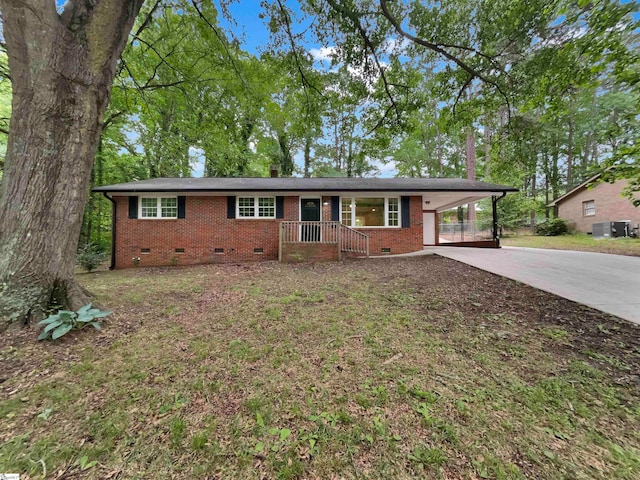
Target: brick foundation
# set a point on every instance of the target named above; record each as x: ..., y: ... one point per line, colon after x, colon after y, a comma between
x: 309, y: 252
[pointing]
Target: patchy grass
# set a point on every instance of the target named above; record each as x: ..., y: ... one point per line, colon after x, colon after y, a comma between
x: 381, y: 368
x: 578, y: 241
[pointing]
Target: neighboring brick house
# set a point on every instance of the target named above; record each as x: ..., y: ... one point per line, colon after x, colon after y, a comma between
x: 167, y: 221
x: 596, y: 201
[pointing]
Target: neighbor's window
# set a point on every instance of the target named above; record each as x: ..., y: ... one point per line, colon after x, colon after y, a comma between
x: 256, y: 207
x: 589, y: 208
x: 159, y: 207
x: 370, y: 212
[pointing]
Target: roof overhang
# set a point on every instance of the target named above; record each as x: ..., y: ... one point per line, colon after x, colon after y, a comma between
x: 324, y: 186
x: 575, y: 190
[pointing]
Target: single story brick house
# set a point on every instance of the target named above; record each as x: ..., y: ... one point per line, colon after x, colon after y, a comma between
x: 595, y: 201
x: 168, y: 221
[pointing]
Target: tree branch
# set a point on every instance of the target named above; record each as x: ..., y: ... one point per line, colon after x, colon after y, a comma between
x: 440, y: 50
x: 223, y: 42
x: 461, y: 92
x: 355, y: 21
x: 305, y: 82
x: 147, y: 20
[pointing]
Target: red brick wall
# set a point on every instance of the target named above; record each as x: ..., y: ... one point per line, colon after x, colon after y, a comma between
x: 399, y: 240
x: 309, y: 252
x: 206, y: 227
x: 610, y: 206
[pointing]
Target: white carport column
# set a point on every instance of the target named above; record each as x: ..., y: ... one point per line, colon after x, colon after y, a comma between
x: 429, y: 228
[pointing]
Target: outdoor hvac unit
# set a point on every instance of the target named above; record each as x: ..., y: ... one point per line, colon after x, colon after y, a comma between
x: 610, y: 229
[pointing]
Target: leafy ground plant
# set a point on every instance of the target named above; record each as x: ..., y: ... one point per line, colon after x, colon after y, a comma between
x: 90, y: 257
x: 64, y: 321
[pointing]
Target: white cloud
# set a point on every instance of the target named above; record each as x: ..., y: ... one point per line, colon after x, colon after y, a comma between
x: 323, y: 54
x: 385, y: 169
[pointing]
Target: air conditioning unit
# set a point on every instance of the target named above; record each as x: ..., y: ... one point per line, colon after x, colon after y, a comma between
x: 610, y: 229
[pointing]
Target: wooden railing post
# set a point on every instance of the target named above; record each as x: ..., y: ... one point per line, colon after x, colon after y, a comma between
x: 280, y: 240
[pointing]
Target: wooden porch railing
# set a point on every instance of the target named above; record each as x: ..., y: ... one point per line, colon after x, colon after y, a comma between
x: 309, y: 232
x: 347, y: 239
x: 353, y: 241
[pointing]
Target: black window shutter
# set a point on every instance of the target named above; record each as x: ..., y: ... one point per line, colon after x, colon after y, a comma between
x: 279, y: 207
x: 231, y: 206
x: 133, y: 207
x: 335, y: 209
x: 405, y: 212
x: 181, y: 206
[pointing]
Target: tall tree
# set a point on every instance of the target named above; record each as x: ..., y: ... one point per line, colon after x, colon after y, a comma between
x: 62, y: 67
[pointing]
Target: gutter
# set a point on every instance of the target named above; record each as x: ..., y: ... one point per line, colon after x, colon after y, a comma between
x: 113, y: 230
x: 302, y: 190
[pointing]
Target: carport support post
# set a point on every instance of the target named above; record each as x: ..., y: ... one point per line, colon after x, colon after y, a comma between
x: 494, y: 208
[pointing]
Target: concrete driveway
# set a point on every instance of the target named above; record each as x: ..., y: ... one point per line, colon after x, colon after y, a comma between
x: 610, y: 283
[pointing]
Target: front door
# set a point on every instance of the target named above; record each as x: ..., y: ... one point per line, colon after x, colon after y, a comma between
x: 310, y: 212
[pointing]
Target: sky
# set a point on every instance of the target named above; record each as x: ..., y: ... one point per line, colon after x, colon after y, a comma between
x: 250, y: 27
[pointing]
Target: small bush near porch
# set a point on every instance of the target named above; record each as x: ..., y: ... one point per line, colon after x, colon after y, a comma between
x: 382, y: 368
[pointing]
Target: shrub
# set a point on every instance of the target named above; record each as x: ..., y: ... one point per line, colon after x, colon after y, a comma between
x: 64, y: 321
x: 552, y: 228
x: 90, y: 257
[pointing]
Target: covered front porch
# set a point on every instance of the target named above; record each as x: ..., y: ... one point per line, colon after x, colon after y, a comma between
x: 419, y: 227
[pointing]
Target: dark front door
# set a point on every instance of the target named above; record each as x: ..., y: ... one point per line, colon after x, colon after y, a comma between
x: 310, y: 212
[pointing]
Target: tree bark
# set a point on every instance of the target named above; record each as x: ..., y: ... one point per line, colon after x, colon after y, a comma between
x: 487, y: 149
x: 532, y: 213
x: 570, y: 154
x: 471, y: 167
x: 307, y: 155
x: 62, y: 67
x: 439, y: 145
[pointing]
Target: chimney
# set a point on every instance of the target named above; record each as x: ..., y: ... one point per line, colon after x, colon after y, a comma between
x: 274, y: 171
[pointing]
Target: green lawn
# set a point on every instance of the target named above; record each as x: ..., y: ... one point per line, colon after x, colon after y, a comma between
x: 380, y: 369
x: 579, y: 241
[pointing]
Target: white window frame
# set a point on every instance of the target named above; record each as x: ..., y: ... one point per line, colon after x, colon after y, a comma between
x: 256, y: 208
x: 386, y: 211
x: 158, y: 199
x: 589, y: 206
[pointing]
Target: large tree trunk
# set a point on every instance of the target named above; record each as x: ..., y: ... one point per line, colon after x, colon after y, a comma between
x: 470, y: 153
x: 62, y: 66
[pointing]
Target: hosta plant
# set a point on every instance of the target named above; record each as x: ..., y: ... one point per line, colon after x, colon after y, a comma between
x: 66, y: 320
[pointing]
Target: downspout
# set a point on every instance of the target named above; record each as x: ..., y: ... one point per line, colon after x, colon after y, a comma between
x: 113, y: 230
x: 494, y: 207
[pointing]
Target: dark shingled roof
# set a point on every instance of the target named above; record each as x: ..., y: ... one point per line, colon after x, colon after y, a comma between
x: 282, y: 184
